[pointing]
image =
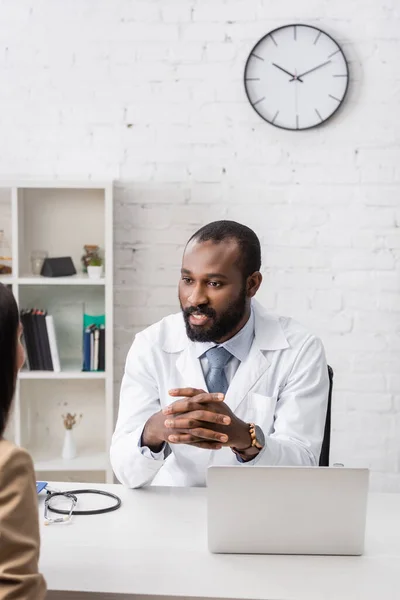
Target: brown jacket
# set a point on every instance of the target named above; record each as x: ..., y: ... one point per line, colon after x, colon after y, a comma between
x: 19, y: 527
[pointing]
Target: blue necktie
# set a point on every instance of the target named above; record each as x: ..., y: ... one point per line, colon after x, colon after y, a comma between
x: 218, y: 358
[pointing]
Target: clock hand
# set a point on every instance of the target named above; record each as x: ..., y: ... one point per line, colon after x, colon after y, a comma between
x: 294, y: 77
x: 311, y: 70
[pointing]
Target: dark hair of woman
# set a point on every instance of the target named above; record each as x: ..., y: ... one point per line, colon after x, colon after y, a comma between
x: 9, y: 322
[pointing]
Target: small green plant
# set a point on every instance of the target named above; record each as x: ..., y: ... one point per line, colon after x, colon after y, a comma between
x: 95, y: 261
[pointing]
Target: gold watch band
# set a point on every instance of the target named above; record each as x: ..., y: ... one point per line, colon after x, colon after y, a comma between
x: 254, y: 442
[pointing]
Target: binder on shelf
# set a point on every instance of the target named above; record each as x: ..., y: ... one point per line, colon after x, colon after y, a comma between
x: 39, y: 365
x: 86, y: 350
x: 102, y: 348
x: 93, y: 343
x: 55, y: 359
x: 28, y: 336
x: 47, y: 363
x: 40, y: 341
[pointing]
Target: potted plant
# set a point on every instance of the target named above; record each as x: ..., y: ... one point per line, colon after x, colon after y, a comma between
x: 95, y: 267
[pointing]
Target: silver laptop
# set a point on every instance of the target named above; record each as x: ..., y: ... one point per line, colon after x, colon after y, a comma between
x: 287, y: 510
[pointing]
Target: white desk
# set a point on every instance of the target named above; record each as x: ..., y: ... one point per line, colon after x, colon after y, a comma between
x: 155, y: 546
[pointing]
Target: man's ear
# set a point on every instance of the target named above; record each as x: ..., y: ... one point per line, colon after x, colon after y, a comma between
x: 253, y: 283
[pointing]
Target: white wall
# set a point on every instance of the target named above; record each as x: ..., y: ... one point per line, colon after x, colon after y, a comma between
x: 150, y: 93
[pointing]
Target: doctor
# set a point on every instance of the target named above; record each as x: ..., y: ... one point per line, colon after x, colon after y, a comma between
x: 222, y: 382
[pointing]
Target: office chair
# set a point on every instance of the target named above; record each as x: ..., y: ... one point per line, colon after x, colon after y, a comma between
x: 324, y: 456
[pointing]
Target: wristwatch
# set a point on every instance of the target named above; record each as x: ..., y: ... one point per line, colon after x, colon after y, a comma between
x: 257, y: 441
x: 257, y: 436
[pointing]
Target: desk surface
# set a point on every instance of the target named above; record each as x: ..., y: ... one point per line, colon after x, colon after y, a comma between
x: 155, y: 545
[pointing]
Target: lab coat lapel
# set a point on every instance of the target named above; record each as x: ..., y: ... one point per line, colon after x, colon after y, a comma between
x: 268, y: 336
x: 247, y: 375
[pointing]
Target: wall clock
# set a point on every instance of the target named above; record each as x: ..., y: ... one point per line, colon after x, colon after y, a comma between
x: 296, y: 77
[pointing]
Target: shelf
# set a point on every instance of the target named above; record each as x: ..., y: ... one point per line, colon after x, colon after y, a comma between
x: 7, y: 279
x: 83, y: 462
x: 79, y: 279
x: 70, y: 370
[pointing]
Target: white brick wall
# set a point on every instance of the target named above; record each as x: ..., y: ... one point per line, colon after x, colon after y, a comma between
x: 150, y: 93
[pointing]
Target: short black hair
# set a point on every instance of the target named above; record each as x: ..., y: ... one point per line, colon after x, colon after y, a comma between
x: 9, y: 321
x: 247, y: 240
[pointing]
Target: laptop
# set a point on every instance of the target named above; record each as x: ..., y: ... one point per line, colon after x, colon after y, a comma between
x: 286, y: 510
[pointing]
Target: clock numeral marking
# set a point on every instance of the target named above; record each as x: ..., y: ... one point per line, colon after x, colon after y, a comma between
x: 273, y: 39
x: 319, y: 116
x: 317, y: 38
x: 333, y: 53
x: 340, y: 75
x: 258, y: 101
x: 256, y: 56
x: 275, y: 116
x: 297, y: 121
x: 252, y: 79
x: 295, y: 33
x: 334, y: 97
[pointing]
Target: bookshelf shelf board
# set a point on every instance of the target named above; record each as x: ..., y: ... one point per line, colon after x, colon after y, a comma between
x: 83, y: 462
x: 79, y: 279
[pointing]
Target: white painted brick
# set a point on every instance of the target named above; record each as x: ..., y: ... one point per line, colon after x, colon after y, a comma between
x: 375, y: 321
x: 361, y: 300
x: 394, y: 383
x: 302, y: 257
x: 324, y: 300
x: 174, y: 172
x: 376, y: 402
x: 204, y: 72
x: 298, y: 279
x: 380, y: 195
x: 216, y: 52
x: 188, y: 52
x: 227, y: 12
x: 178, y: 12
x: 360, y: 280
x: 141, y: 11
x: 292, y: 238
x: 368, y: 361
x: 147, y: 32
x: 353, y: 259
x: 165, y: 296
x: 340, y: 323
x: 291, y: 303
x: 204, y: 32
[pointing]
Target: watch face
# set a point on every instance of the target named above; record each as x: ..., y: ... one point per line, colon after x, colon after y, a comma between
x: 296, y: 77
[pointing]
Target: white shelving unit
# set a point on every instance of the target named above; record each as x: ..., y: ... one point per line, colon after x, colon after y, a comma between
x: 61, y: 218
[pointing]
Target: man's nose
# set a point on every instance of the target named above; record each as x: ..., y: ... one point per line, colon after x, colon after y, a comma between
x: 198, y: 296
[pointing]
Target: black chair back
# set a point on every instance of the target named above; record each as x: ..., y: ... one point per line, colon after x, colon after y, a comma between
x: 324, y: 456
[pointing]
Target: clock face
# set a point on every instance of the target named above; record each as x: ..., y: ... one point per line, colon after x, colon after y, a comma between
x: 296, y: 77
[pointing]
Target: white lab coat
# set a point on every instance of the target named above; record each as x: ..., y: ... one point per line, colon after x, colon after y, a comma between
x: 282, y: 386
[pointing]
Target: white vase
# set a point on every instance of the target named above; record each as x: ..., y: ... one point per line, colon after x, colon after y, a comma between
x: 95, y: 272
x: 69, y: 447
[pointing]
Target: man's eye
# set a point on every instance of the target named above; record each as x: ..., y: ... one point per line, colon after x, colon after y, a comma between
x: 214, y: 284
x: 187, y: 280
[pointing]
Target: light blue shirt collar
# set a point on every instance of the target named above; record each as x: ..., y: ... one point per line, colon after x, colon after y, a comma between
x: 239, y: 345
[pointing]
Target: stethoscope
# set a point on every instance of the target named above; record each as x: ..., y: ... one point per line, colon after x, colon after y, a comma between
x: 71, y: 495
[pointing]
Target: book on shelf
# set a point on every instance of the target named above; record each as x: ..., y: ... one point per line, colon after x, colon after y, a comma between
x: 94, y: 339
x: 39, y: 338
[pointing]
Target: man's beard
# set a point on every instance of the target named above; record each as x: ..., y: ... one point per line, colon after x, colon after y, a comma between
x: 222, y: 325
